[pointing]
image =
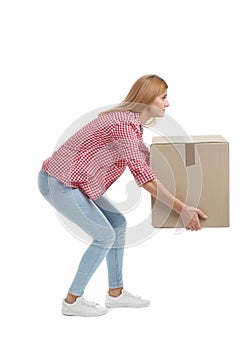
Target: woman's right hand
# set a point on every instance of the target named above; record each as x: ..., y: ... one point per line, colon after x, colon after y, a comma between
x: 190, y: 217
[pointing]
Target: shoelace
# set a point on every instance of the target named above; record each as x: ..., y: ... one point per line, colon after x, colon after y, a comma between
x: 128, y: 294
x: 88, y: 303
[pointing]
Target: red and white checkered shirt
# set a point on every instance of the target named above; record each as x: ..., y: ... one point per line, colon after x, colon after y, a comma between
x: 97, y: 155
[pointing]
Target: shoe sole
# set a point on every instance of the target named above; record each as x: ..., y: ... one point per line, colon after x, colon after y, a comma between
x: 65, y: 313
x: 123, y: 305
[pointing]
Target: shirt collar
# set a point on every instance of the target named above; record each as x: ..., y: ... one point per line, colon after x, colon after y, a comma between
x: 136, y: 116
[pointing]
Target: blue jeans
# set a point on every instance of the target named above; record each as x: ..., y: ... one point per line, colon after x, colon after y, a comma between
x: 100, y: 220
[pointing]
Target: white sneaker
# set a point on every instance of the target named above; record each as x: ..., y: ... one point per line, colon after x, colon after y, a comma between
x: 125, y: 299
x: 82, y: 307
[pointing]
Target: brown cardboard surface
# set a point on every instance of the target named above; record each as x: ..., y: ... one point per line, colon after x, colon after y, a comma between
x: 196, y: 170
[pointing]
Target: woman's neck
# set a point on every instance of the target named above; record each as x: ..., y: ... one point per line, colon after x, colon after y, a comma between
x: 144, y: 116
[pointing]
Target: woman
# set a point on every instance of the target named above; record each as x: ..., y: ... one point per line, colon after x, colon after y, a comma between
x: 80, y: 171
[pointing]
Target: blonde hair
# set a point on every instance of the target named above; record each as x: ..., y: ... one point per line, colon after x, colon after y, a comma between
x: 143, y: 92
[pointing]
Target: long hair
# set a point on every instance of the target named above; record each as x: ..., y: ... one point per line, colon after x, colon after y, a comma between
x: 142, y: 93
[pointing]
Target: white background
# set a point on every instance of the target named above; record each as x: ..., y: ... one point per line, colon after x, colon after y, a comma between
x: 61, y: 59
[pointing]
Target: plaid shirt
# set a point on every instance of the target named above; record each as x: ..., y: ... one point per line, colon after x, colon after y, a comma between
x: 96, y: 155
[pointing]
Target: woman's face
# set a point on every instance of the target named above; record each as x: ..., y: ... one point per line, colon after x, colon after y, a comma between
x: 159, y: 105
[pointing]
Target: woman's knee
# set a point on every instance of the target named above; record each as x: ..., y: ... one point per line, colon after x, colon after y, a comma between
x: 106, y: 238
x: 121, y: 222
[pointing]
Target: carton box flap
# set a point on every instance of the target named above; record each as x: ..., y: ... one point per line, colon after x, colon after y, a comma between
x: 188, y: 139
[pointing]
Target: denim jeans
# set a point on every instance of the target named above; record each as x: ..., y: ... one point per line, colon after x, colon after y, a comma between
x: 100, y: 220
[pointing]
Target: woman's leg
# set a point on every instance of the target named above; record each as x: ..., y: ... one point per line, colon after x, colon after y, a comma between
x: 114, y: 256
x: 78, y: 208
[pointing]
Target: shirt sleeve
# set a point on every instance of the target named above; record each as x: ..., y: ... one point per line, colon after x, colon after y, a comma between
x: 131, y: 149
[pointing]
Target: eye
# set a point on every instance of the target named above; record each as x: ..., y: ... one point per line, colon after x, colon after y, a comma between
x: 164, y: 97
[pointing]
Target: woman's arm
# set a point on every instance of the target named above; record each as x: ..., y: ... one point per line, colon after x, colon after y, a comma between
x: 189, y: 215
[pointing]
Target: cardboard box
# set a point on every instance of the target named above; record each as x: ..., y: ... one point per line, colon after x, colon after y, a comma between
x: 195, y: 170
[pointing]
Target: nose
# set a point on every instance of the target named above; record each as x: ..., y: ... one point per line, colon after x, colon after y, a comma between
x: 167, y: 104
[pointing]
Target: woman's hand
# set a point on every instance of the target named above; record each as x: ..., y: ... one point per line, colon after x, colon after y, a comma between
x: 190, y: 217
